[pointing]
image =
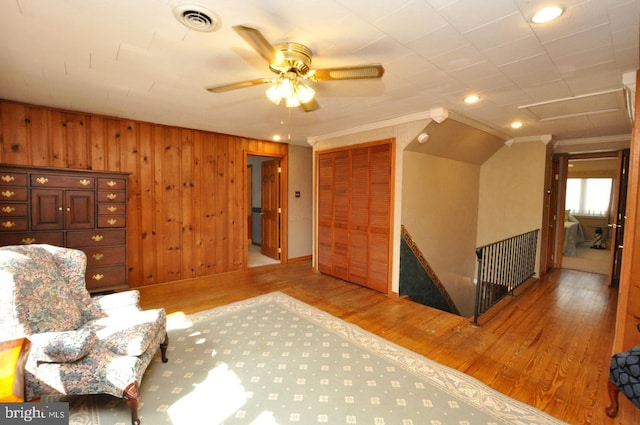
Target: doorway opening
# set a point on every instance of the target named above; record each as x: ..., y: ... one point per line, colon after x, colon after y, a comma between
x: 587, y: 244
x: 265, y: 209
x: 592, y: 205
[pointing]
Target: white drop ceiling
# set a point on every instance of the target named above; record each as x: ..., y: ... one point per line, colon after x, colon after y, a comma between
x: 133, y: 59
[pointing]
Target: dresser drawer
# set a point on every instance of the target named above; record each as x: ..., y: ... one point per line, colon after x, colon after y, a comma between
x: 112, y: 208
x: 106, y: 256
x: 13, y: 179
x: 112, y: 221
x: 89, y: 238
x: 27, y: 238
x: 13, y: 224
x: 98, y: 278
x: 14, y: 210
x: 112, y: 196
x: 67, y: 182
x: 111, y: 184
x: 13, y: 194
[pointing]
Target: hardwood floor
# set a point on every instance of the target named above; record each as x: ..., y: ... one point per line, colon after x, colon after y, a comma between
x: 549, y: 347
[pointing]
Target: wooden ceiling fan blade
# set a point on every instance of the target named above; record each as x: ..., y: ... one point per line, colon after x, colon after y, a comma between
x: 256, y: 40
x: 239, y: 85
x: 347, y: 73
x: 311, y: 105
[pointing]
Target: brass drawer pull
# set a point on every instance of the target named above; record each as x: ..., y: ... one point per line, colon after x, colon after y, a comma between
x: 98, y: 276
x: 42, y: 180
x: 111, y: 196
x: 8, y: 193
x: 8, y: 224
x: 112, y: 183
x: 8, y: 179
x: 112, y: 209
x: 28, y: 241
x: 98, y: 256
x: 97, y: 238
x: 85, y: 182
x: 112, y: 221
x: 8, y: 209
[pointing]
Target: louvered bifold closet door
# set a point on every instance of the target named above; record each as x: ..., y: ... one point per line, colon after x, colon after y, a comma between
x: 333, y: 214
x: 325, y: 214
x: 341, y: 183
x: 354, y: 214
x: 359, y: 217
x: 379, y: 217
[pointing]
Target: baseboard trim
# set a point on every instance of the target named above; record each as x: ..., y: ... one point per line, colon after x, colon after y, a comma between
x: 299, y: 259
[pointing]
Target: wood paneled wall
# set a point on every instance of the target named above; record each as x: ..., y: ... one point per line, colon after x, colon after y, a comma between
x: 186, y: 195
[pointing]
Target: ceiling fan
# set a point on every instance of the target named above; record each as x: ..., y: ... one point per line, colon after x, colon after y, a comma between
x: 291, y: 62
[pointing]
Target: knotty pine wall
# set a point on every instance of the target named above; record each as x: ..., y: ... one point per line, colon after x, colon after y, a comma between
x: 185, y: 193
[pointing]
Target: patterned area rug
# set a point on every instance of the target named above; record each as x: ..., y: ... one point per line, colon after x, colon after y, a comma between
x: 274, y: 360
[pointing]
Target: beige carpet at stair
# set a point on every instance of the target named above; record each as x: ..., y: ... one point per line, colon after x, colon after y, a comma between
x: 588, y: 260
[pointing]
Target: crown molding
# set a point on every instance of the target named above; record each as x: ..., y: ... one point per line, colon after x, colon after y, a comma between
x: 594, y: 140
x: 544, y: 138
x: 477, y: 125
x: 436, y: 114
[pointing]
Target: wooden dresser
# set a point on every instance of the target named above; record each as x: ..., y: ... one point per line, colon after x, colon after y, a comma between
x: 80, y: 209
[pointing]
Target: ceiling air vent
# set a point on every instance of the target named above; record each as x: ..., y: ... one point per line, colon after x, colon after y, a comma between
x: 196, y: 17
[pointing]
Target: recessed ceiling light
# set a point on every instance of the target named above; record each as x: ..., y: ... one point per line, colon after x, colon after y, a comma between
x: 516, y: 124
x: 546, y: 14
x: 471, y: 98
x: 276, y: 137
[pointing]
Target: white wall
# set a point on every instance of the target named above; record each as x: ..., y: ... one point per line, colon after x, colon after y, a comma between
x: 300, y: 179
x: 512, y: 193
x: 440, y: 212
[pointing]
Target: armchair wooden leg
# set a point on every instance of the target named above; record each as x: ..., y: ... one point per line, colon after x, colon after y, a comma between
x: 132, y: 396
x: 163, y: 348
x: 612, y: 410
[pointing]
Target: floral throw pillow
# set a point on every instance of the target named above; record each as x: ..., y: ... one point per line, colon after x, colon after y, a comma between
x: 63, y: 347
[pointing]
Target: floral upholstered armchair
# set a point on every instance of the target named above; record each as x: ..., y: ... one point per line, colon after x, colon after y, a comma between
x: 79, y: 344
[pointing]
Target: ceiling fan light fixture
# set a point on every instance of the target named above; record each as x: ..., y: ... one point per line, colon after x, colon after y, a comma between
x: 292, y: 102
x: 273, y: 94
x: 288, y: 88
x: 304, y: 93
x: 291, y: 63
x: 283, y: 88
